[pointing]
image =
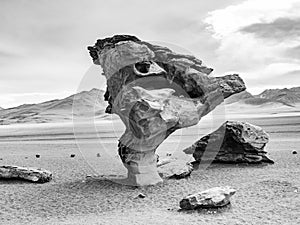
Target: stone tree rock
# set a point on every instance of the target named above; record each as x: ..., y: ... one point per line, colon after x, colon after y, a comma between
x: 211, y: 198
x: 155, y: 92
x: 241, y: 143
x: 24, y: 173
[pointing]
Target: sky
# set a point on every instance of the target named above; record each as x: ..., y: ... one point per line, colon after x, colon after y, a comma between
x: 43, y: 53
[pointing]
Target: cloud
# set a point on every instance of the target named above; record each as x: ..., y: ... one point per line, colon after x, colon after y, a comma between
x: 43, y: 44
x: 293, y: 52
x: 288, y: 80
x: 279, y: 29
x: 250, y: 38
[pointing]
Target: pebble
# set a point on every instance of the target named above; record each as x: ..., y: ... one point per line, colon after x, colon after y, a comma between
x: 141, y: 195
x: 294, y: 152
x: 72, y: 155
x: 37, y: 156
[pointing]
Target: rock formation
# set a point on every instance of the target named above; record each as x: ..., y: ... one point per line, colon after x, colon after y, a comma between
x: 155, y: 92
x: 241, y: 142
x: 211, y: 198
x: 30, y: 174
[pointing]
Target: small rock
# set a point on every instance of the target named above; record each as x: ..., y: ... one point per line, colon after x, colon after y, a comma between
x: 176, y: 170
x: 26, y: 157
x: 25, y: 173
x: 165, y: 161
x: 72, y: 155
x: 98, y: 155
x: 141, y: 195
x: 211, y: 198
x: 168, y: 154
x: 37, y: 156
x: 1, y: 159
x: 294, y: 152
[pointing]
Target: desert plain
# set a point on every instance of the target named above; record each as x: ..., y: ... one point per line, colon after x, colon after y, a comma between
x: 81, y: 193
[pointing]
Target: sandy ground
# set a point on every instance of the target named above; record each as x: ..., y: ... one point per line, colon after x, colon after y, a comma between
x: 266, y: 194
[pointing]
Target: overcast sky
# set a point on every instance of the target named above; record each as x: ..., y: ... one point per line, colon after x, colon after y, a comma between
x: 43, y: 42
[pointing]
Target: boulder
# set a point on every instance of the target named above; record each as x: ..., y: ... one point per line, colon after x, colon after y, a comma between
x: 211, y: 198
x: 25, y: 173
x: 155, y: 92
x: 233, y: 142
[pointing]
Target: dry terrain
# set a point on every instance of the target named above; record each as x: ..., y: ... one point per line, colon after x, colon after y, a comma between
x: 266, y: 194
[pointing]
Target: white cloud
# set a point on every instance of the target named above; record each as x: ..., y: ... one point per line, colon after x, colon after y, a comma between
x: 242, y: 52
x: 230, y: 19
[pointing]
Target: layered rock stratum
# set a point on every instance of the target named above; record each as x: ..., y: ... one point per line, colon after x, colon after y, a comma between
x: 155, y: 91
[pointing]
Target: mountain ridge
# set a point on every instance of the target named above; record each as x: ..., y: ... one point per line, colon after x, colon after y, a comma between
x: 91, y: 104
x: 285, y: 96
x: 87, y: 103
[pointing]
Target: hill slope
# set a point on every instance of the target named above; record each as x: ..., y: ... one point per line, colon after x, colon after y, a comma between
x: 288, y: 97
x: 87, y: 103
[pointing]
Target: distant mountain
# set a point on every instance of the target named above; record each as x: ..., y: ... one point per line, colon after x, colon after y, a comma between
x: 90, y: 104
x: 86, y: 103
x: 238, y: 97
x: 288, y: 97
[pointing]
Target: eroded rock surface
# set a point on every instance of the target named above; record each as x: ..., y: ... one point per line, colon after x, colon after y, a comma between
x: 25, y: 173
x: 211, y: 198
x: 155, y: 92
x: 240, y: 142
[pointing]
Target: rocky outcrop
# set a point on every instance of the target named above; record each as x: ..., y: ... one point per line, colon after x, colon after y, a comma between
x: 238, y: 142
x: 211, y: 198
x: 155, y: 92
x: 24, y: 173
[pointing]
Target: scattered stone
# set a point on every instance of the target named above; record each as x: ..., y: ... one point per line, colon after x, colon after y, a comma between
x: 211, y: 198
x: 98, y: 155
x: 294, y: 152
x: 141, y: 195
x: 25, y: 173
x: 168, y: 154
x: 233, y: 142
x: 164, y: 161
x: 176, y: 170
x: 37, y: 156
x: 157, y: 158
x: 72, y: 155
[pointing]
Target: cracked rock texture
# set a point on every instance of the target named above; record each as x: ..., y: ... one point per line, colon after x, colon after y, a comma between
x: 211, y: 198
x: 239, y: 142
x: 155, y: 92
x: 24, y: 173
